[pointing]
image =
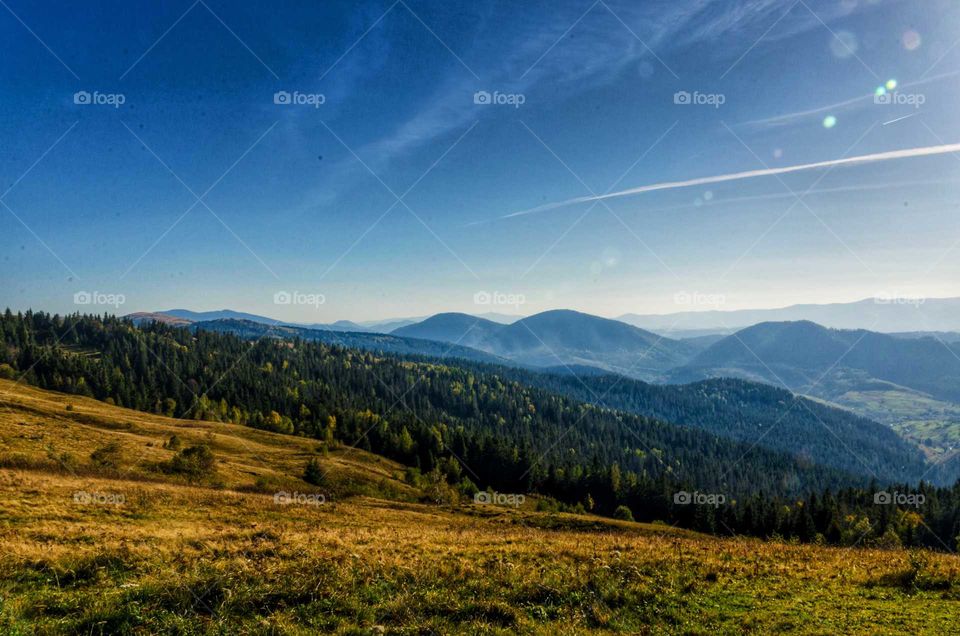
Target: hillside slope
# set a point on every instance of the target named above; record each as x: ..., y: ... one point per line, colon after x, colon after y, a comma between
x: 56, y: 432
x: 95, y: 550
x: 755, y: 413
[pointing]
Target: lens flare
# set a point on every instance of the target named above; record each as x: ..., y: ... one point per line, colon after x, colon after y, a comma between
x: 829, y: 121
x: 891, y: 84
x: 911, y: 40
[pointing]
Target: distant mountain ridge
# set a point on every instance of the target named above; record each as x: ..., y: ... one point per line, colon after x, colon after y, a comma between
x: 886, y: 314
x: 798, y: 354
x: 186, y: 316
x: 560, y: 338
x: 385, y: 343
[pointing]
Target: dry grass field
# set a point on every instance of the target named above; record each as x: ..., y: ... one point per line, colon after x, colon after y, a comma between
x: 121, y: 546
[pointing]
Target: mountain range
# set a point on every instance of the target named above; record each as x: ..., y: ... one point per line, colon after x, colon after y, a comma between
x: 186, y: 316
x: 885, y: 313
x: 909, y: 380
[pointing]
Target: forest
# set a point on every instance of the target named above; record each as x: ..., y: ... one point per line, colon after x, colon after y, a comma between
x: 471, y: 427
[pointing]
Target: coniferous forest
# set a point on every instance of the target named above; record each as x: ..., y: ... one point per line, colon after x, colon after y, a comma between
x: 474, y: 426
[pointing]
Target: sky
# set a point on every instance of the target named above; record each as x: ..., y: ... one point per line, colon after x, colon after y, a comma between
x: 367, y: 160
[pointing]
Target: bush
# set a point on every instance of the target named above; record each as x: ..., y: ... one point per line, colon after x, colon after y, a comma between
x: 173, y: 443
x: 548, y: 504
x: 313, y: 473
x: 193, y: 461
x: 623, y: 513
x: 107, y: 456
x: 7, y: 372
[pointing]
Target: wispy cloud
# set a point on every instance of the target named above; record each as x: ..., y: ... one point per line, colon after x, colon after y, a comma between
x: 580, y: 47
x: 907, y: 153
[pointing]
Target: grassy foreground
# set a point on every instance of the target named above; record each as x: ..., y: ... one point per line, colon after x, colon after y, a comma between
x: 93, y: 549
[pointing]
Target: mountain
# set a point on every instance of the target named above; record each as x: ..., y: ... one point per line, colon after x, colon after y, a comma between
x: 559, y: 338
x: 369, y: 326
x: 798, y: 354
x: 144, y: 317
x: 386, y: 326
x: 221, y: 314
x: 885, y: 314
x: 912, y: 384
x: 356, y: 340
x: 452, y: 327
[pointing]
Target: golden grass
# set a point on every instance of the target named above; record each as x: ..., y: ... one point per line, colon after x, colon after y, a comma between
x: 225, y: 558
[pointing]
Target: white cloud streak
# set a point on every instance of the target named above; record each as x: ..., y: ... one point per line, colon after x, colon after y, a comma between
x: 907, y: 153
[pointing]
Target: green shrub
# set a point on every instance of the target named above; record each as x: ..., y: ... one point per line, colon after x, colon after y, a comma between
x: 107, y: 456
x: 623, y: 513
x: 313, y: 473
x: 194, y: 462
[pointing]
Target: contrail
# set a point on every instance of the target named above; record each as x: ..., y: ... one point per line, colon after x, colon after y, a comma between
x: 893, y: 121
x: 779, y: 120
x: 750, y: 174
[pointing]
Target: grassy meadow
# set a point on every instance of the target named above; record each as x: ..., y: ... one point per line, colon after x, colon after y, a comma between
x: 96, y: 541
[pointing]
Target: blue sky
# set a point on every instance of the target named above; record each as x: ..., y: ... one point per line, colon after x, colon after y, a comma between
x: 304, y: 197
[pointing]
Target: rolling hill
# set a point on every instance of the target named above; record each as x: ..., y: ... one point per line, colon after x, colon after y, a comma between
x: 379, y: 555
